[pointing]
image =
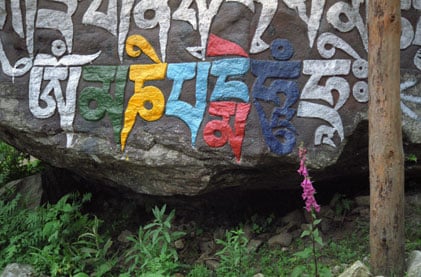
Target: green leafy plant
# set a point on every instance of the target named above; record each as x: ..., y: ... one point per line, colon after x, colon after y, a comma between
x: 411, y: 158
x: 93, y: 251
x: 342, y: 205
x: 53, y: 238
x: 152, y: 250
x: 260, y: 224
x: 310, y: 252
x: 234, y: 257
x: 60, y: 225
x: 199, y: 270
x: 15, y: 164
x: 274, y: 261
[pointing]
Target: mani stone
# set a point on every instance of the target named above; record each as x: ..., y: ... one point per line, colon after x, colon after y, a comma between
x: 163, y: 98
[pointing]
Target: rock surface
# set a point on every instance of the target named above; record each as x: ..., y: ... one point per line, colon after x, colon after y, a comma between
x: 30, y: 188
x: 414, y: 264
x: 18, y: 270
x: 358, y: 269
x: 216, y: 97
x: 283, y: 239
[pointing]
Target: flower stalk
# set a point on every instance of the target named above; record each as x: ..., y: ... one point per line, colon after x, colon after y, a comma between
x: 311, y: 206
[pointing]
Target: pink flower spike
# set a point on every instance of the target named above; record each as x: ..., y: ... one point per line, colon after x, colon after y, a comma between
x: 302, y: 151
x: 304, y: 172
x: 306, y: 184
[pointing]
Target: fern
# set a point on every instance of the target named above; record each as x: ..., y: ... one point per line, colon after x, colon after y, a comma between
x: 44, y: 237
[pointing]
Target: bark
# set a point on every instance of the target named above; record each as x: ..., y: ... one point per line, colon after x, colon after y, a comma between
x: 385, y: 139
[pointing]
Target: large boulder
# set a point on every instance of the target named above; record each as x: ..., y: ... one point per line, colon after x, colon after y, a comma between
x: 183, y: 97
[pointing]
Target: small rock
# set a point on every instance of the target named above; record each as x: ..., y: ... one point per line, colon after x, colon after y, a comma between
x: 219, y: 234
x: 305, y: 227
x: 363, y: 201
x: 365, y: 213
x: 258, y: 275
x: 325, y: 225
x: 336, y: 270
x: 123, y: 236
x: 254, y: 245
x: 212, y: 264
x: 18, y: 270
x: 283, y: 239
x: 326, y: 212
x: 206, y: 246
x: 179, y: 244
x: 248, y: 231
x: 414, y: 264
x: 296, y: 233
x: 294, y: 218
x: 414, y: 200
x: 366, y: 260
x: 358, y: 269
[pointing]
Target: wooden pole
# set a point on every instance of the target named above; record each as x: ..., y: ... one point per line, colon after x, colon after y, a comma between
x: 385, y: 139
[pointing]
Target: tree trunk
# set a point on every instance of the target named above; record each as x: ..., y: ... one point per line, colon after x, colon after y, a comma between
x: 385, y: 139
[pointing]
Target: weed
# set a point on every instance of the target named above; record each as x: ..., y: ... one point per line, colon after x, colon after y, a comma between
x: 152, y: 250
x: 93, y: 251
x: 234, y: 257
x: 274, y: 262
x: 199, y: 270
x: 259, y: 224
x: 51, y: 238
x: 342, y: 205
x: 59, y: 227
x: 411, y: 158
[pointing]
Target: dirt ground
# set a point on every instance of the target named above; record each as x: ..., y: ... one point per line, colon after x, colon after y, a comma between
x: 261, y: 214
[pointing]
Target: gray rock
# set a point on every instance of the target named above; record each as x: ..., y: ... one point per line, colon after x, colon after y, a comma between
x: 211, y: 264
x: 219, y: 106
x: 337, y: 269
x: 357, y: 269
x: 206, y: 246
x: 30, y: 188
x: 294, y: 218
x: 179, y: 244
x: 283, y: 239
x: 305, y: 227
x: 219, y: 233
x: 248, y: 231
x: 18, y: 270
x: 327, y: 215
x: 123, y: 236
x: 363, y: 201
x: 413, y: 201
x: 414, y: 264
x: 254, y: 245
